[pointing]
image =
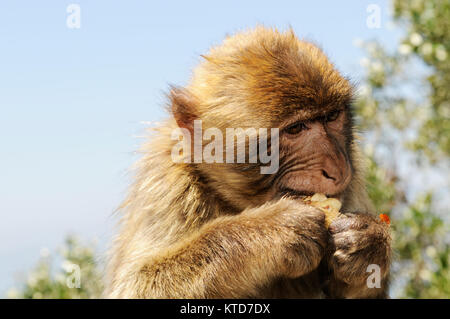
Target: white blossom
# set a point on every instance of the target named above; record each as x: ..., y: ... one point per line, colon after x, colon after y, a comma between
x: 416, y: 39
x: 425, y: 274
x: 441, y: 54
x: 430, y: 251
x: 364, y: 62
x: 426, y: 48
x: 45, y: 252
x: 404, y: 49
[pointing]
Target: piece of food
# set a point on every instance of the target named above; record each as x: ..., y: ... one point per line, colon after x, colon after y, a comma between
x: 330, y: 206
x: 385, y: 218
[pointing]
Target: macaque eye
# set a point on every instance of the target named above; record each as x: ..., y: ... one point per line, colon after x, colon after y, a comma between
x: 296, y: 128
x: 332, y: 116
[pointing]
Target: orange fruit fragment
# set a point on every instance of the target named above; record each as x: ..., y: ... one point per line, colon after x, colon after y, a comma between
x: 385, y: 218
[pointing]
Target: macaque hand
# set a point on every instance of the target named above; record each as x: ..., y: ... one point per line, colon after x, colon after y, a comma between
x: 304, y: 234
x: 356, y: 242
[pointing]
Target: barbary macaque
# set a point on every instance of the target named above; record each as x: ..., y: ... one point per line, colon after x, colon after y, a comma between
x: 225, y: 229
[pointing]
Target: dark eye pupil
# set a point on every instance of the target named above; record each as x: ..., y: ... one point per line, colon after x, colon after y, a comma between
x: 333, y: 116
x: 296, y: 128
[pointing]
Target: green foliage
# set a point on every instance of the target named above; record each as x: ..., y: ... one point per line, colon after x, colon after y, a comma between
x: 381, y: 188
x: 424, y: 254
x: 43, y: 282
x: 405, y: 101
x: 428, y: 37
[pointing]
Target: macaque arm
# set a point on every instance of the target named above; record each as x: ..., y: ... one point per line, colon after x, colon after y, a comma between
x: 232, y: 257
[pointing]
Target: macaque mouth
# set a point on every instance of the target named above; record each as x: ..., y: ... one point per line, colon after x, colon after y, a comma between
x: 299, y: 194
x: 286, y: 191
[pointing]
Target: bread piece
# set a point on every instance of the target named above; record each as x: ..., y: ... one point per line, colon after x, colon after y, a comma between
x: 330, y: 206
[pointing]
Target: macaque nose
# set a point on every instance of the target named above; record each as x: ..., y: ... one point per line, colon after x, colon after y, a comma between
x: 327, y: 175
x: 334, y: 176
x: 333, y: 171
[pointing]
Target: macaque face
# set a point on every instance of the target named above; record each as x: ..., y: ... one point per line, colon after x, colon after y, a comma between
x: 314, y: 155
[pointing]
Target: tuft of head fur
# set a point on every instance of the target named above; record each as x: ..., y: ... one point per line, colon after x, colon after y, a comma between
x: 263, y: 74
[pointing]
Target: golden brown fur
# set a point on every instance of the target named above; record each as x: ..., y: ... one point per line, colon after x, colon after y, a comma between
x: 205, y: 230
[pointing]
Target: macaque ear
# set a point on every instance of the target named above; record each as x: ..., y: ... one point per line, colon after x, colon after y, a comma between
x: 183, y: 107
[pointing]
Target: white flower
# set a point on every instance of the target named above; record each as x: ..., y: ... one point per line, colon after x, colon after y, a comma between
x: 369, y: 149
x: 430, y: 251
x: 37, y: 295
x: 32, y: 280
x: 444, y: 110
x: 416, y: 4
x: 441, y: 54
x: 45, y: 252
x: 364, y: 62
x: 408, y: 214
x: 425, y: 274
x: 377, y: 66
x: 364, y: 90
x: 60, y: 278
x: 398, y: 111
x: 426, y: 48
x: 416, y: 39
x: 404, y: 49
x: 67, y: 266
x: 372, y: 48
x: 13, y: 293
x: 427, y: 14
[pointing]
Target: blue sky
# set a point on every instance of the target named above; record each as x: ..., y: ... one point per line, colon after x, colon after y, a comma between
x: 72, y: 101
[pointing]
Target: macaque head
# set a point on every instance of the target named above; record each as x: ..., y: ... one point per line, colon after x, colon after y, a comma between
x: 315, y: 154
x: 267, y: 79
